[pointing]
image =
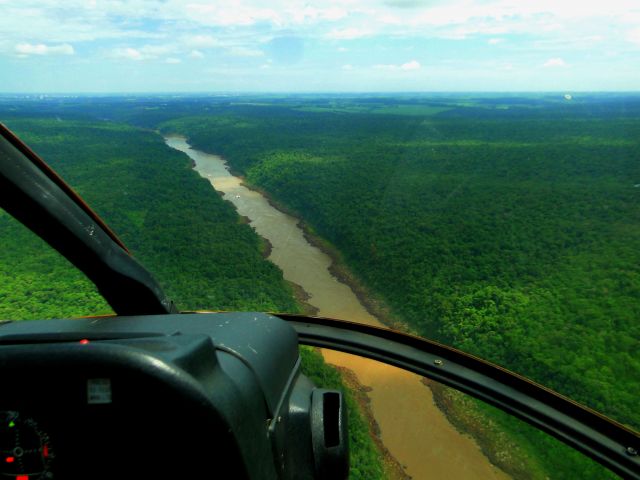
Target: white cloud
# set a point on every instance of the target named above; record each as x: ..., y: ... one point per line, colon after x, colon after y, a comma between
x: 633, y: 36
x: 537, y: 32
x: 245, y: 13
x: 245, y: 52
x: 26, y: 49
x: 128, y: 53
x: 347, y: 33
x: 200, y: 41
x: 347, y: 67
x: 554, y: 63
x: 385, y: 66
x: 157, y: 50
x: 311, y: 14
x: 579, y: 42
x: 233, y: 13
x: 76, y: 20
x: 390, y: 19
x: 52, y: 21
x: 173, y: 60
x: 412, y: 65
x: 508, y: 12
x: 147, y: 52
x: 48, y: 21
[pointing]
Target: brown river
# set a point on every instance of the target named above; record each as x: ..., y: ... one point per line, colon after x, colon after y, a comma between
x: 412, y: 427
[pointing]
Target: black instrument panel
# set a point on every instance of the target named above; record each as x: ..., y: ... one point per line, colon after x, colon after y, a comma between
x: 107, y: 410
x: 167, y: 396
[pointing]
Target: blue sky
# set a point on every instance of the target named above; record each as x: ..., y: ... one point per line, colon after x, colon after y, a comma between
x: 307, y: 46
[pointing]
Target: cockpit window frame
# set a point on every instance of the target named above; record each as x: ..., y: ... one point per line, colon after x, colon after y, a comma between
x: 36, y: 196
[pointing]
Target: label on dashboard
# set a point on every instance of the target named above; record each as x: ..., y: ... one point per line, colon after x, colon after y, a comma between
x: 98, y: 391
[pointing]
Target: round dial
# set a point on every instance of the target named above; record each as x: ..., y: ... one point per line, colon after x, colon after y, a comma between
x: 25, y: 451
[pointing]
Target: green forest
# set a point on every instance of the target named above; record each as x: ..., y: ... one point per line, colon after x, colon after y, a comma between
x: 205, y: 257
x: 505, y: 226
x: 511, y: 237
x: 511, y: 233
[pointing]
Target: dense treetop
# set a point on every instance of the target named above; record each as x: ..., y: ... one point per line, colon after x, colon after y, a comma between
x: 508, y: 227
x: 170, y: 218
x: 514, y: 237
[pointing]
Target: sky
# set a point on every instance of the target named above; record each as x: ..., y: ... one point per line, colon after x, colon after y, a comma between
x: 234, y: 46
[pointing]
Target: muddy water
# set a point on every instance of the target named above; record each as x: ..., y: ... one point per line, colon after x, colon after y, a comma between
x: 412, y: 428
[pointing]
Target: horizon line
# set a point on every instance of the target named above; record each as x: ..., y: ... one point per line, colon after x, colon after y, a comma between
x: 319, y: 92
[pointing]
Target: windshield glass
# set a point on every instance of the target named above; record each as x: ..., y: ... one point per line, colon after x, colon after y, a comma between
x: 467, y: 171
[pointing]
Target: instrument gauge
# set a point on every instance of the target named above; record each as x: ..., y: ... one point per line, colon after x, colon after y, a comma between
x: 25, y: 449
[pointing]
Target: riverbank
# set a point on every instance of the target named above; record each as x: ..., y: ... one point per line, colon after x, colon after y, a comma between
x: 393, y: 469
x: 459, y: 410
x: 374, y: 305
x: 457, y: 407
x: 411, y: 427
x: 499, y: 447
x: 302, y: 298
